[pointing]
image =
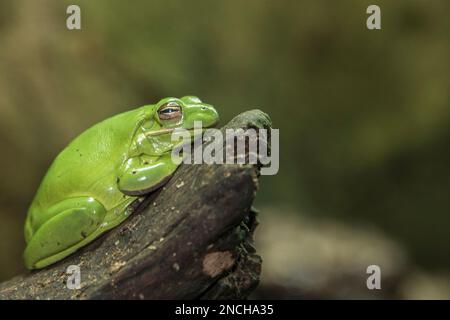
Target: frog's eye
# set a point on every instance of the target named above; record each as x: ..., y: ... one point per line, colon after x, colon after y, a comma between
x: 169, y: 111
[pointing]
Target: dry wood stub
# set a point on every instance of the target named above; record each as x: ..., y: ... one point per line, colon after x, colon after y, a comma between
x: 191, y: 239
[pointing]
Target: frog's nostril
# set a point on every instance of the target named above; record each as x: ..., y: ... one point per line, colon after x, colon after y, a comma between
x: 204, y: 108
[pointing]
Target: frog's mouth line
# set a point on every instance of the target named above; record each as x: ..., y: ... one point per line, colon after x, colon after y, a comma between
x: 169, y: 130
x: 158, y: 132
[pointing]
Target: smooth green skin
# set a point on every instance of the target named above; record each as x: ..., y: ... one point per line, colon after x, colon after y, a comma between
x: 92, y: 182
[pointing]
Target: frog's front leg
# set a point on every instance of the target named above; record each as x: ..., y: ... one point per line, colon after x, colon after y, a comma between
x: 143, y: 174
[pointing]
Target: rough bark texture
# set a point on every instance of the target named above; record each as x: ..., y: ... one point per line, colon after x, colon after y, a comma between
x: 191, y: 239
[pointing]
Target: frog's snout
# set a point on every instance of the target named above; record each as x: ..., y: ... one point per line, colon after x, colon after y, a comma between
x: 212, y: 118
x: 207, y: 115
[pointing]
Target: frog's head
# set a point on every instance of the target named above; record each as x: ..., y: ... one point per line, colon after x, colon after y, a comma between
x: 170, y: 114
x: 182, y: 113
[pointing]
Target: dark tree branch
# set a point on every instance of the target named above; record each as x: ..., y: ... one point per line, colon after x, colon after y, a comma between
x: 191, y: 239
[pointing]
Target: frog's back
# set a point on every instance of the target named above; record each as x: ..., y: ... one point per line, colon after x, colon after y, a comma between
x: 86, y: 166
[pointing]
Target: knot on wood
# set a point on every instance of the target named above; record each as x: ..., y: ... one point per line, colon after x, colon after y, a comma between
x: 215, y: 263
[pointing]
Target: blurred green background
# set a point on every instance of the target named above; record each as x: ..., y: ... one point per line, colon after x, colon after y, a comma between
x: 363, y: 115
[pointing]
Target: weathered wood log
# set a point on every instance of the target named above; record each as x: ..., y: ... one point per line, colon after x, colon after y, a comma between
x: 191, y: 239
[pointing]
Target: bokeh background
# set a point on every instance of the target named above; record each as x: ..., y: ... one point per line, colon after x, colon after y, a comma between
x: 363, y: 118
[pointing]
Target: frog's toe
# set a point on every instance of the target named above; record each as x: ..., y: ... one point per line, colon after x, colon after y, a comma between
x: 146, y: 190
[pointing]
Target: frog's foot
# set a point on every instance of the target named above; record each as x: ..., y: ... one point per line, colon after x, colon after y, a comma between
x: 71, y: 223
x: 139, y: 180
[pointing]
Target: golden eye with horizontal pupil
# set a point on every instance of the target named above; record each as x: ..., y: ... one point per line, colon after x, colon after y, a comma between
x: 169, y: 111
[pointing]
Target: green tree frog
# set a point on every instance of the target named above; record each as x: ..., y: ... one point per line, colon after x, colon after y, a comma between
x: 91, y: 183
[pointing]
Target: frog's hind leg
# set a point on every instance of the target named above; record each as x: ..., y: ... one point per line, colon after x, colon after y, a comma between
x: 72, y: 221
